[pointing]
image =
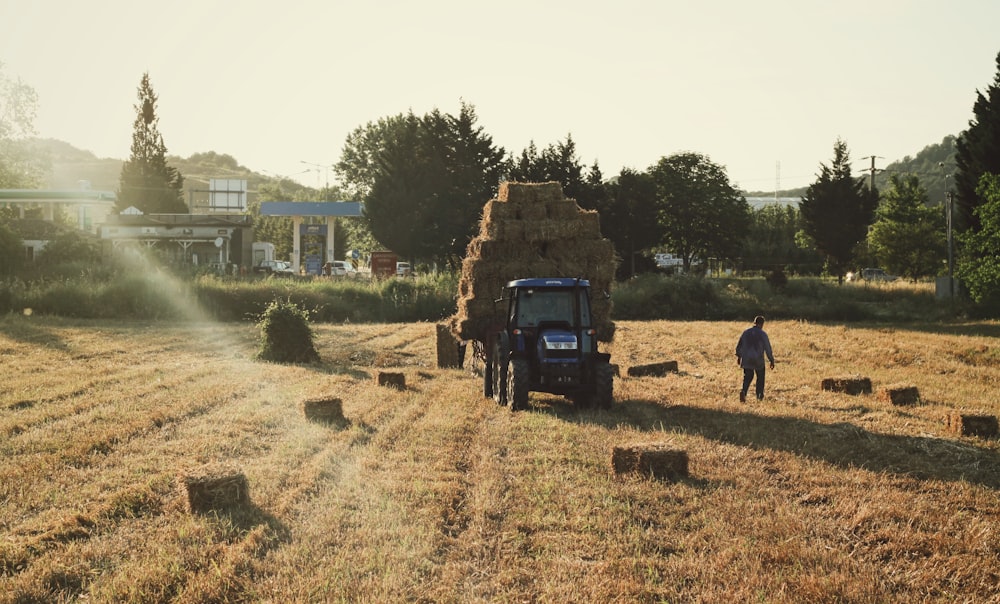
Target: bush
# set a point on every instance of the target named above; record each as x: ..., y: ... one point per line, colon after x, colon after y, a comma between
x: 285, y: 334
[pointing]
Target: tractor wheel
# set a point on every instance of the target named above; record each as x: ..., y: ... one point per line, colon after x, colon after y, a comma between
x: 604, y: 384
x: 498, y: 373
x: 517, y: 384
x: 488, y: 378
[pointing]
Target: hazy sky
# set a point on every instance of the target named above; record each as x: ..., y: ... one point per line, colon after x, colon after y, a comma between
x: 749, y: 84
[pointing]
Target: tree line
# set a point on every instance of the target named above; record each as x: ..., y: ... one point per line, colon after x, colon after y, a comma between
x: 424, y: 179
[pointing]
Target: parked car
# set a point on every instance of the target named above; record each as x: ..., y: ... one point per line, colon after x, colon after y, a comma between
x: 274, y: 267
x: 341, y: 268
x: 403, y: 269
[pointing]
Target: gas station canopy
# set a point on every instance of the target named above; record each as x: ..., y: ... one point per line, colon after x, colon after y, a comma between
x: 332, y: 209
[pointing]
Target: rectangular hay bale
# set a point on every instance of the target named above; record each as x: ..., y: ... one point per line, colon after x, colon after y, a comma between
x: 323, y: 409
x: 968, y: 424
x: 653, y: 369
x: 899, y: 395
x: 447, y: 348
x: 216, y: 489
x: 848, y: 385
x: 391, y: 380
x: 656, y: 460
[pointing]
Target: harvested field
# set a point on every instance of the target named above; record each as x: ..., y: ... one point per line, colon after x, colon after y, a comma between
x: 435, y: 494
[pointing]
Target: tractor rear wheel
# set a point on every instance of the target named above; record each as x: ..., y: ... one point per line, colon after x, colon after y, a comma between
x: 488, y: 378
x: 518, y: 384
x: 498, y: 372
x: 604, y: 384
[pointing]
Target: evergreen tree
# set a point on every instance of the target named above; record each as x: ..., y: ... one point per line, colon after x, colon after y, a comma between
x: 908, y: 237
x: 978, y: 152
x: 702, y: 214
x: 146, y: 181
x: 559, y: 163
x: 836, y: 211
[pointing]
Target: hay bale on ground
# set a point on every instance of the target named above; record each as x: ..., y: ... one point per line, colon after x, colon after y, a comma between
x: 657, y: 460
x: 653, y: 369
x: 391, y: 380
x: 324, y: 410
x: 848, y: 385
x: 214, y: 489
x: 968, y: 424
x: 899, y: 395
x: 447, y: 347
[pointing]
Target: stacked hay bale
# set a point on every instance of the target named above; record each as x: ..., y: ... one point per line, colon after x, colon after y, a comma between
x: 532, y: 230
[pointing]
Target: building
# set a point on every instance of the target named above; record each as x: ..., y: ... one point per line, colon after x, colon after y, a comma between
x: 225, y: 241
x: 85, y: 208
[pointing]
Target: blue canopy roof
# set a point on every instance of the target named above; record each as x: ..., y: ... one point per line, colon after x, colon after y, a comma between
x: 311, y: 208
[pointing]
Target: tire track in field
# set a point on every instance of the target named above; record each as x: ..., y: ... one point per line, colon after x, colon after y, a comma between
x: 236, y: 570
x: 472, y: 524
x: 45, y: 467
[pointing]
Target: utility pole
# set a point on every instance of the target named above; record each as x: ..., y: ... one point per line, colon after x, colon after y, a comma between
x: 872, y: 170
x: 949, y: 204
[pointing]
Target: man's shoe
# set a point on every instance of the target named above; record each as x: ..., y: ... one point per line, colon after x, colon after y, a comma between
x: 743, y: 397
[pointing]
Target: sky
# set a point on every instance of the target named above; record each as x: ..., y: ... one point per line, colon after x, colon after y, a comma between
x: 763, y: 89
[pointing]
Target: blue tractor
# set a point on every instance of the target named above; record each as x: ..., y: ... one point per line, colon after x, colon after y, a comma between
x: 548, y: 343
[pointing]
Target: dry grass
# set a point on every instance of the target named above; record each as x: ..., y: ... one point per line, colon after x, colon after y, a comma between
x: 434, y: 494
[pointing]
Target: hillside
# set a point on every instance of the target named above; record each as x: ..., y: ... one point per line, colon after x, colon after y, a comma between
x: 70, y: 165
x: 926, y: 165
x: 435, y: 494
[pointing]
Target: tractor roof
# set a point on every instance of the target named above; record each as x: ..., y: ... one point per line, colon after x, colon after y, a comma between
x: 554, y: 282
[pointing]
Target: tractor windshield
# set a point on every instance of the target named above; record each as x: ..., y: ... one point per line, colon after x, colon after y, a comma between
x: 535, y: 306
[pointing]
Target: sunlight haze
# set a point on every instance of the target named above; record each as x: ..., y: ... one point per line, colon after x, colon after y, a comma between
x: 279, y: 86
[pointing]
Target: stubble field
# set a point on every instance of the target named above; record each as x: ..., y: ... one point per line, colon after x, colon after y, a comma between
x: 435, y: 494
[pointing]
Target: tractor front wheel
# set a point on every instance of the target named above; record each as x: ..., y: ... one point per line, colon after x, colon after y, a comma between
x: 518, y: 378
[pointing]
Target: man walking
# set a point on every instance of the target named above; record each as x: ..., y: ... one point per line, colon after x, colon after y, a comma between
x: 750, y: 351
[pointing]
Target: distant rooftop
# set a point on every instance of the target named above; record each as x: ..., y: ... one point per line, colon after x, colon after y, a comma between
x: 773, y: 201
x: 55, y: 195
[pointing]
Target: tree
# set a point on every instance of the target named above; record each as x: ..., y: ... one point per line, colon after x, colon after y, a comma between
x: 837, y: 210
x: 977, y: 153
x: 146, y: 181
x: 19, y: 168
x: 701, y: 213
x: 629, y: 216
x: 560, y: 163
x: 71, y: 245
x: 472, y: 168
x: 770, y: 243
x: 978, y: 264
x: 908, y: 237
x: 423, y: 180
x: 399, y: 208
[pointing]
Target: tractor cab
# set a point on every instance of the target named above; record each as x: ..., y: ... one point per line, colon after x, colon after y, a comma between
x: 549, y: 344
